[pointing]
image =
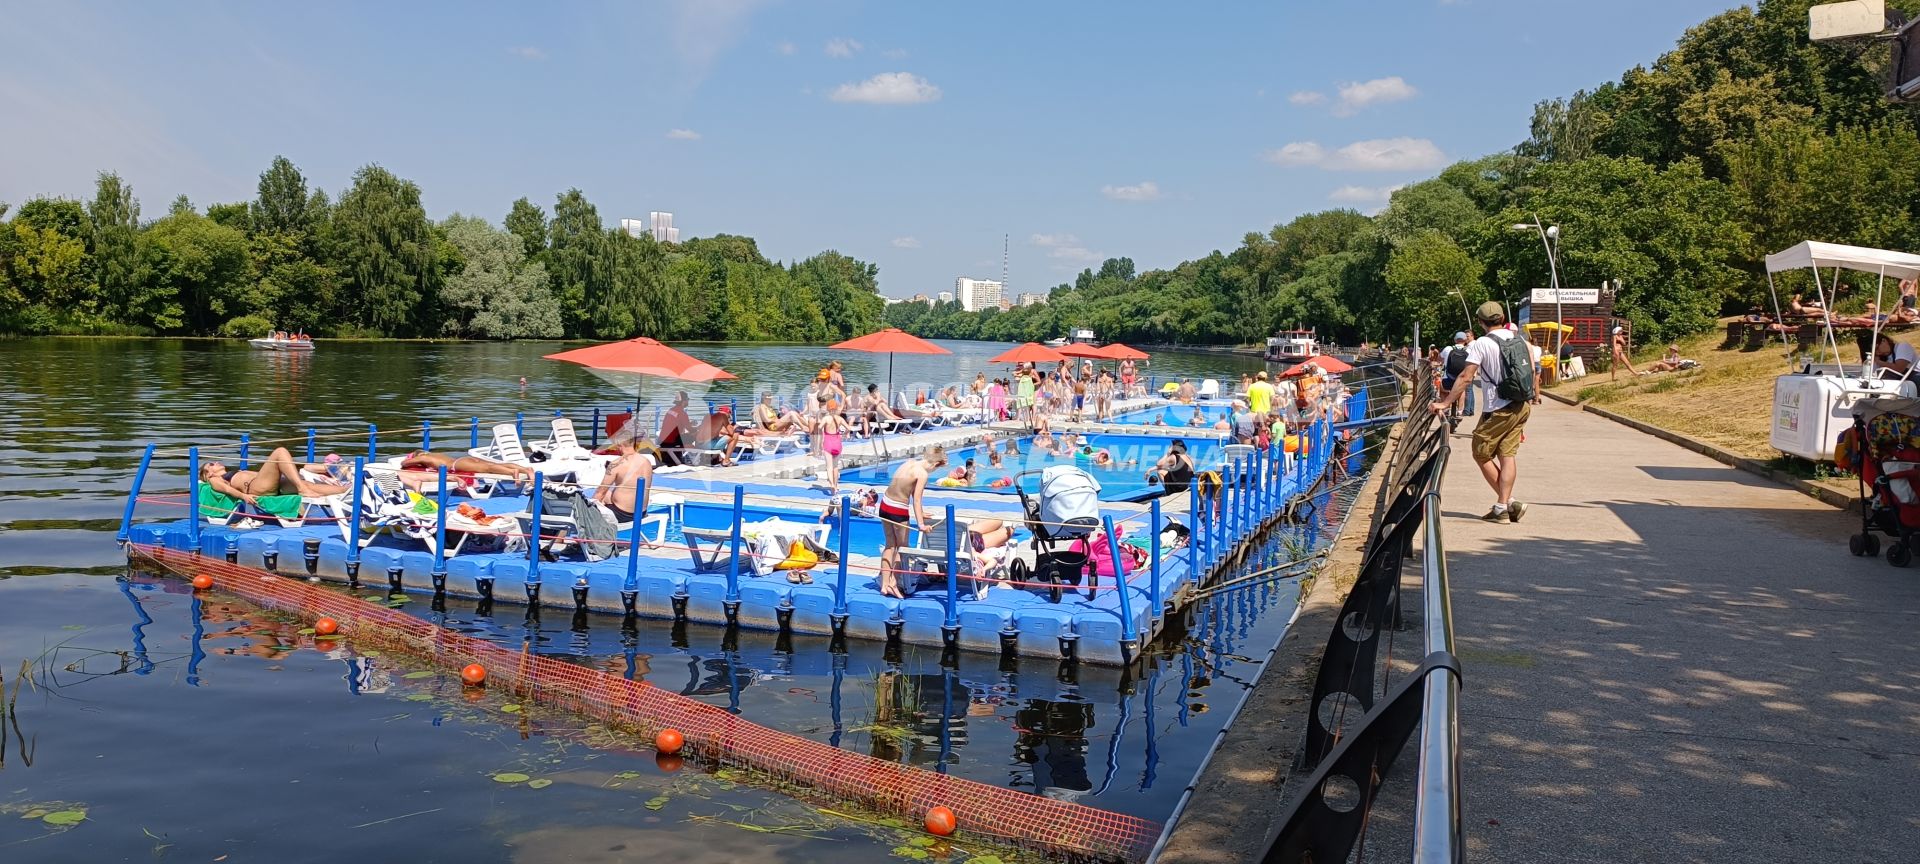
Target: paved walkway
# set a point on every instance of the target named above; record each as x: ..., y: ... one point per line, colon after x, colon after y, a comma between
x: 1672, y: 660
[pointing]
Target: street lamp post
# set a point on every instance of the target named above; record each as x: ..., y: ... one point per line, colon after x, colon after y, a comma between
x: 1549, y: 235
x: 1468, y: 316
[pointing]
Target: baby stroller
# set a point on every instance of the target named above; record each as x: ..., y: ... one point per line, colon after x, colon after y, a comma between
x: 1882, y: 447
x: 1068, y: 510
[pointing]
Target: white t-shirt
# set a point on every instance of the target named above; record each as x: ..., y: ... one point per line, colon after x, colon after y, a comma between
x: 1485, y: 353
x: 1903, y: 351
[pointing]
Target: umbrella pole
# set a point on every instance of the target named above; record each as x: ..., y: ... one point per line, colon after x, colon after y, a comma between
x: 888, y: 396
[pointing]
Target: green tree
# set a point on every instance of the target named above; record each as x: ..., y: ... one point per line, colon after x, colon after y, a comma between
x: 496, y: 293
x: 384, y: 249
x: 115, y: 217
x: 529, y: 223
x: 196, y: 272
x: 283, y: 205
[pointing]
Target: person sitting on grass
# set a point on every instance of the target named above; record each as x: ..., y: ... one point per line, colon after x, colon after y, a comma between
x: 1670, y: 363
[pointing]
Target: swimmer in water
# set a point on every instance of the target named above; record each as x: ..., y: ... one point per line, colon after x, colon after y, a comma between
x: 1013, y: 446
x: 993, y: 458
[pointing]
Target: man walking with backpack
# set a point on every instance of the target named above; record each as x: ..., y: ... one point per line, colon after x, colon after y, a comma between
x: 1509, y: 367
x: 1453, y: 361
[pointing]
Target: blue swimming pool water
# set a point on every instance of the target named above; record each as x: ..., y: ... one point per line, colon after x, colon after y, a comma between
x: 1125, y: 480
x: 1173, y: 415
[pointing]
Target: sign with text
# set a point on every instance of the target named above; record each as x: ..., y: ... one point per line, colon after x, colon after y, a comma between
x: 1567, y: 295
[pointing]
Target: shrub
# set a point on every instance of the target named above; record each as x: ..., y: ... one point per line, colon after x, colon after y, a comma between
x: 246, y: 326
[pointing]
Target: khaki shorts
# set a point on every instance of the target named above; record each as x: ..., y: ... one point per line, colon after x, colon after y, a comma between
x: 1498, y: 433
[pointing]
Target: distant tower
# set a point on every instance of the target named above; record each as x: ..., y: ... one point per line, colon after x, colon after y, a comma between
x: 1005, y: 244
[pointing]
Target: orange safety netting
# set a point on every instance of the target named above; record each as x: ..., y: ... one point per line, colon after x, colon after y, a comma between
x: 710, y: 731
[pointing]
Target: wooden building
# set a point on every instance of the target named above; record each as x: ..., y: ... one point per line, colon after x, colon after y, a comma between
x: 1589, y: 311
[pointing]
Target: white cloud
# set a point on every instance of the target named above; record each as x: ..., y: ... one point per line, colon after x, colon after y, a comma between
x: 1378, y: 154
x: 1306, y: 97
x: 1364, y: 194
x: 1357, y: 95
x: 785, y: 49
x: 843, y: 47
x: 888, y: 88
x: 683, y: 135
x: 906, y: 242
x: 527, y: 52
x: 894, y: 53
x: 1064, y: 248
x: 1297, y: 153
x: 1146, y: 190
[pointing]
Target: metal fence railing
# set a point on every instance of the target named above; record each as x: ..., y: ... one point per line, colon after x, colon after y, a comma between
x: 1362, y: 716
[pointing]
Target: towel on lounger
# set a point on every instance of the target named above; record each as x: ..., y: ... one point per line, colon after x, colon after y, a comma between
x: 219, y: 506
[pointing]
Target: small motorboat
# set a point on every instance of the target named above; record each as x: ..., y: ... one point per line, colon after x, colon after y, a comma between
x: 281, y: 343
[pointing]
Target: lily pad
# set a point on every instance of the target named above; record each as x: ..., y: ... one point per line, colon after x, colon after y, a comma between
x: 657, y: 802
x: 307, y: 631
x: 329, y: 637
x: 984, y: 859
x: 910, y: 852
x: 369, y: 653
x: 65, y: 818
x: 510, y: 777
x: 510, y: 709
x: 922, y: 842
x: 541, y: 783
x: 626, y: 775
x: 418, y: 675
x: 420, y: 697
x: 35, y: 813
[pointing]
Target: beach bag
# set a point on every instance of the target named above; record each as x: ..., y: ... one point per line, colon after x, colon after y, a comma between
x: 1069, y: 501
x: 1516, y: 370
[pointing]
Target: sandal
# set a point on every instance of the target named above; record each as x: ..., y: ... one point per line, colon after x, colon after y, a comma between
x: 795, y: 577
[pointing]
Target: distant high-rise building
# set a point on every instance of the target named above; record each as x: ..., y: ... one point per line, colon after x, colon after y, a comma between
x: 662, y: 224
x: 946, y: 296
x: 658, y: 223
x: 1031, y: 299
x: 977, y: 294
x: 920, y: 298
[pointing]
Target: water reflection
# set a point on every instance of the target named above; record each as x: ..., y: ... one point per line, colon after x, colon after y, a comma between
x: 1093, y: 734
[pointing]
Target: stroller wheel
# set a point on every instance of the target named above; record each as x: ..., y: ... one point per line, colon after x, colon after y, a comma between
x: 1873, y: 545
x: 1857, y: 545
x: 1898, y: 554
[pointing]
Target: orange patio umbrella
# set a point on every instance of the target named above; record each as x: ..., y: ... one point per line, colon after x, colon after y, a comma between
x: 627, y: 363
x: 1117, y: 351
x: 890, y: 341
x: 1079, y: 350
x: 1032, y: 352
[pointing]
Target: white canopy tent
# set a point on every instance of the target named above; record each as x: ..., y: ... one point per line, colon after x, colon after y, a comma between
x: 1814, y: 255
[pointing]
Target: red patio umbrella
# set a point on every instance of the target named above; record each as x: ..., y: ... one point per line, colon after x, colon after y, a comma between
x: 890, y: 341
x: 1032, y: 352
x: 614, y: 362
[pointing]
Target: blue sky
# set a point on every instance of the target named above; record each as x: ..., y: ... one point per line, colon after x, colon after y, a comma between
x: 914, y: 135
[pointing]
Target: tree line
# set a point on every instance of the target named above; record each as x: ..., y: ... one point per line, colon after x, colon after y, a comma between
x: 1676, y: 180
x: 372, y: 264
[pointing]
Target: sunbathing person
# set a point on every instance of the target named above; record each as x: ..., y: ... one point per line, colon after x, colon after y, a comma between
x: 717, y: 432
x: 621, y: 490
x: 422, y: 461
x: 769, y: 418
x: 1670, y: 362
x: 277, y: 474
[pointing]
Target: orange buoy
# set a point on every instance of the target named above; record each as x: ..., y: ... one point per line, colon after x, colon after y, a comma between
x: 475, y: 674
x: 669, y: 741
x: 326, y: 627
x: 941, y: 821
x: 203, y: 582
x: 668, y: 762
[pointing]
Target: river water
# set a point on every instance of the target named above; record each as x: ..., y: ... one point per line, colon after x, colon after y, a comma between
x: 190, y: 728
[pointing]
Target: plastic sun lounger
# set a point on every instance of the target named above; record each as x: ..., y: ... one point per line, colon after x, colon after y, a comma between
x: 930, y: 558
x: 507, y: 447
x: 381, y: 511
x: 712, y: 548
x: 1210, y: 388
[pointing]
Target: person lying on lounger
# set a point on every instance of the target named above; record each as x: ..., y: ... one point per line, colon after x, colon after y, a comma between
x: 277, y: 474
x: 421, y: 460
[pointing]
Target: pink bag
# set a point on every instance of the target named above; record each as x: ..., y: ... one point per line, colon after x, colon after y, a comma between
x: 1096, y: 548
